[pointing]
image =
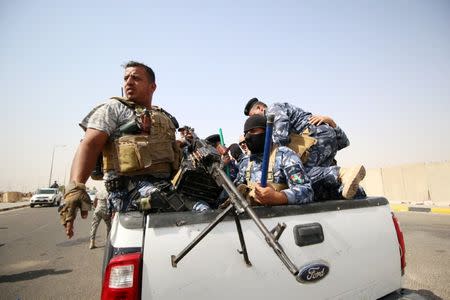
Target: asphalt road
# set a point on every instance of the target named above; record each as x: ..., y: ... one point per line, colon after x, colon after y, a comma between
x: 427, y: 238
x: 38, y: 262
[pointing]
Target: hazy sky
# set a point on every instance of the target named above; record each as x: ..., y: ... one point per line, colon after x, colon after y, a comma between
x: 381, y: 69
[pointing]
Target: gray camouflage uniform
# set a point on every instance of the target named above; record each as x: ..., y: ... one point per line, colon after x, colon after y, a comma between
x: 287, y: 169
x: 108, y: 117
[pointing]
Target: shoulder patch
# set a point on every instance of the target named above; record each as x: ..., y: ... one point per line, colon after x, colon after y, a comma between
x: 295, y: 174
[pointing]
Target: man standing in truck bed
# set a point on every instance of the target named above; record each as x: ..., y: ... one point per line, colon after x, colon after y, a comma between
x: 137, y: 159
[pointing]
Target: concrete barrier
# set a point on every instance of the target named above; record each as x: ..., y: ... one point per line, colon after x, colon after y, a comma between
x: 373, y: 182
x: 12, y: 197
x: 393, y: 185
x: 438, y: 175
x: 416, y: 184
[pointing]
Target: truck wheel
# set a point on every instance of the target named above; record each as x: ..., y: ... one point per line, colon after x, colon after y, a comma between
x: 31, y: 205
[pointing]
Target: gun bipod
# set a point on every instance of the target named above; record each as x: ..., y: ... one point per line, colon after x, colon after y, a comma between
x: 176, y: 258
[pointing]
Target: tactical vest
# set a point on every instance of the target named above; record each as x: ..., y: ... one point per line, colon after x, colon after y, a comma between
x: 144, y: 154
x: 276, y: 186
x: 300, y: 144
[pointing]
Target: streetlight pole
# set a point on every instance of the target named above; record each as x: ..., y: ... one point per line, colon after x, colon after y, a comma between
x: 51, y: 166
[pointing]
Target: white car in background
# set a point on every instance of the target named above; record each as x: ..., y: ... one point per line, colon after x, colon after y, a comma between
x: 91, y: 196
x: 46, y: 196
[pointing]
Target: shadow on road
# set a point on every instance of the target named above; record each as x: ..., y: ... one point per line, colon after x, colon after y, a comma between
x: 70, y: 243
x: 429, y: 295
x: 29, y: 275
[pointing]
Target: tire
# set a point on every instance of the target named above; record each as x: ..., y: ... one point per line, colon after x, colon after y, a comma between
x: 31, y: 205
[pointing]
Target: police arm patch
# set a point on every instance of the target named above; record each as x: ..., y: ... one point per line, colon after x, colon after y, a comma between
x: 295, y: 174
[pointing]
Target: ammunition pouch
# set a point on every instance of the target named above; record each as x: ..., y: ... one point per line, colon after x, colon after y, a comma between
x: 97, y: 173
x: 133, y: 153
x: 155, y: 153
x: 115, y: 184
x: 301, y: 143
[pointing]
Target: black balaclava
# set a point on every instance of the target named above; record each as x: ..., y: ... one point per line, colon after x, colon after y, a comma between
x: 255, y: 142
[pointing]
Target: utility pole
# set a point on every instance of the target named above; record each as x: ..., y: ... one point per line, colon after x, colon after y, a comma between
x: 51, y: 166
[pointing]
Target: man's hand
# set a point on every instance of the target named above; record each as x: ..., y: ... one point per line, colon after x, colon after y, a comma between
x: 317, y: 120
x: 268, y: 196
x: 75, y: 198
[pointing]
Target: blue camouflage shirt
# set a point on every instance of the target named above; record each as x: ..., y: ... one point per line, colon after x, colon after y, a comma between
x: 287, y: 169
x: 292, y: 119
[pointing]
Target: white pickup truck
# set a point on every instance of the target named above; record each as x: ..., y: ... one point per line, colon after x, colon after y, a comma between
x: 329, y: 250
x: 341, y: 249
x: 46, y: 196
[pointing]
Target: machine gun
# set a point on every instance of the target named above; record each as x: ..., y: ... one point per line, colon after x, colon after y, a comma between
x: 209, y: 159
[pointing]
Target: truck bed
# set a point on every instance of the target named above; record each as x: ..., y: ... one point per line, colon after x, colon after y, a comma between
x: 359, y: 246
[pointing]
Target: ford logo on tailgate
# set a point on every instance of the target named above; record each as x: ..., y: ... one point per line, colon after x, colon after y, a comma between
x: 313, y: 272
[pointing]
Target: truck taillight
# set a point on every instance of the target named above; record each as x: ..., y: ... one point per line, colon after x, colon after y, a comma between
x: 401, y: 243
x: 121, y: 280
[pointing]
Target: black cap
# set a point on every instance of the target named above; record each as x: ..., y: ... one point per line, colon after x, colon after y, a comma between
x: 213, y: 139
x: 249, y: 105
x: 185, y: 127
x: 255, y: 121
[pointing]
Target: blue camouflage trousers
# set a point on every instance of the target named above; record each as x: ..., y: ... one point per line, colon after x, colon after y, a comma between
x: 323, y: 152
x: 327, y: 186
x: 321, y: 164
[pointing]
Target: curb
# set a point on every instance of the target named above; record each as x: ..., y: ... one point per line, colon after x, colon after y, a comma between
x: 436, y: 210
x: 14, y: 207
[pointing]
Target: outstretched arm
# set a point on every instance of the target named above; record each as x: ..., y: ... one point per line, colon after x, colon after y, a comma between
x: 82, y: 166
x: 86, y: 155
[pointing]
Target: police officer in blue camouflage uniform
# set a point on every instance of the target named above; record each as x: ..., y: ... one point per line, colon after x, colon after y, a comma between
x: 288, y: 184
x: 319, y: 163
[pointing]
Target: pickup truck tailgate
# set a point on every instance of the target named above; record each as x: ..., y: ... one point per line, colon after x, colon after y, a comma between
x: 359, y: 246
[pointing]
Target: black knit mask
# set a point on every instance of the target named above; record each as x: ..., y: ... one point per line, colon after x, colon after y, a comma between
x: 255, y: 142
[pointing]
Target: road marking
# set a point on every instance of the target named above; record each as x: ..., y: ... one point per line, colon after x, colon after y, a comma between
x: 440, y: 210
x: 398, y: 207
x: 403, y: 208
